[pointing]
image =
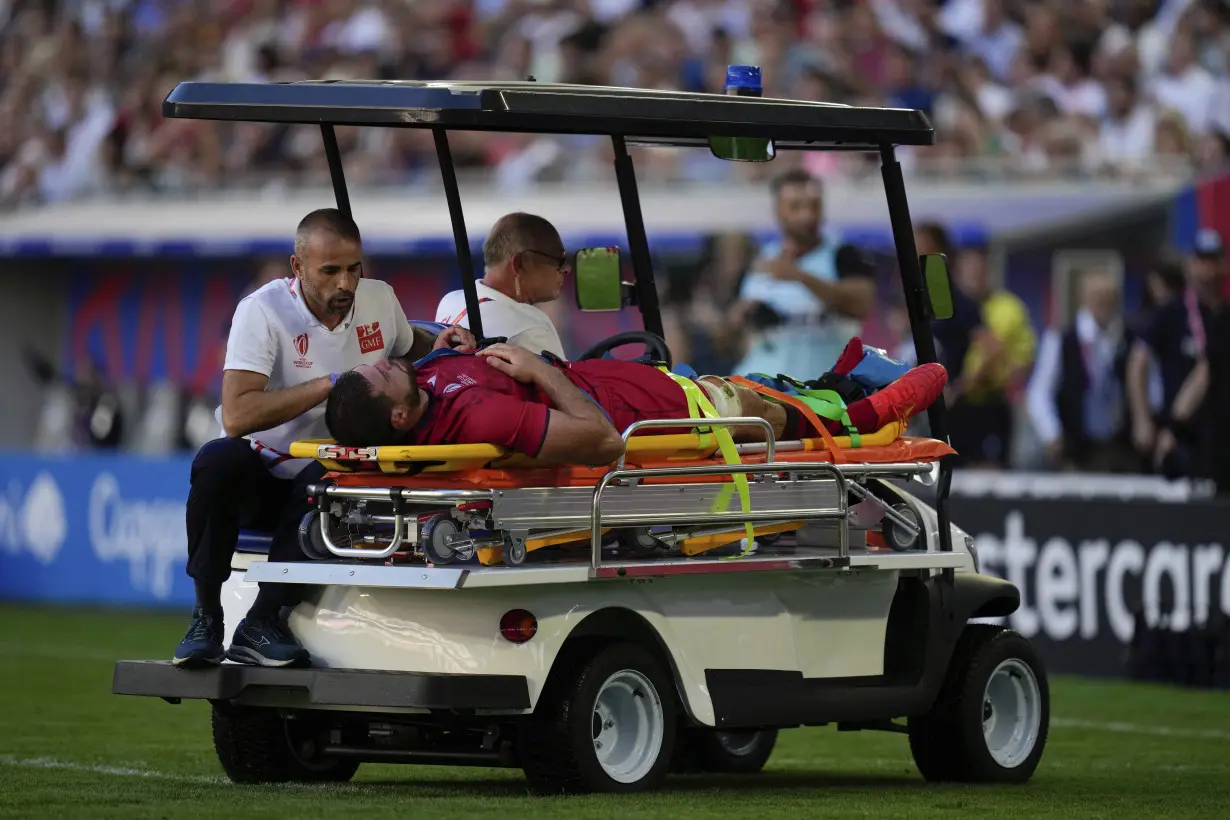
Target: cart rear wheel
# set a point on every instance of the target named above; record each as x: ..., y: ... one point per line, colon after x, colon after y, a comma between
x: 605, y: 723
x: 436, y: 536
x: 990, y: 721
x: 257, y: 745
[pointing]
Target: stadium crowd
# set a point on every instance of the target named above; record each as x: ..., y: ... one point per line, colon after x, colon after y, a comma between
x: 1044, y: 87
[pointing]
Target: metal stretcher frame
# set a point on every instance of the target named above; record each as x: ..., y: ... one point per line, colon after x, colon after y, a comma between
x: 626, y: 116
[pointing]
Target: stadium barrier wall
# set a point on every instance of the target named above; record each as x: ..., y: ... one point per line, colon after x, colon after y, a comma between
x: 109, y: 530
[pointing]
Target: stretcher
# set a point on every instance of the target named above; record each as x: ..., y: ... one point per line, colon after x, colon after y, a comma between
x: 669, y: 495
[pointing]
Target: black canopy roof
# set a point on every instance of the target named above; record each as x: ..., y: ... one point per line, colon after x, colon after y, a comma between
x: 666, y: 117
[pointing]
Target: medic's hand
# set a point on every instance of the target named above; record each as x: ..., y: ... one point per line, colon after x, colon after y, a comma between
x: 456, y: 337
x: 516, y: 361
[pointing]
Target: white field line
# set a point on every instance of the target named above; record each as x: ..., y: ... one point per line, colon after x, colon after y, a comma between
x: 114, y: 771
x: 1139, y: 729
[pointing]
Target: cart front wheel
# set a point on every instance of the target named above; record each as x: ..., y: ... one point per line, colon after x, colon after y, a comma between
x: 605, y: 723
x: 990, y: 721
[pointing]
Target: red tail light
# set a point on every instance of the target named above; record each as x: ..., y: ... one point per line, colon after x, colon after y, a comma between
x: 518, y: 625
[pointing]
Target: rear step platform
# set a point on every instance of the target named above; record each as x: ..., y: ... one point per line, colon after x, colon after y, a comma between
x: 325, y: 687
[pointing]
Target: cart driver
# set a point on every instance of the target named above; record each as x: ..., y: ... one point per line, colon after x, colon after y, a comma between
x: 524, y: 264
x: 567, y: 413
x: 288, y: 342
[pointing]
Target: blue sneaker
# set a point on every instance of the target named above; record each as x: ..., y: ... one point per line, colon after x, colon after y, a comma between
x: 202, y: 646
x: 266, y: 642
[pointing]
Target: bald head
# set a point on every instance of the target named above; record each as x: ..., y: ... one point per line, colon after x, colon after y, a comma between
x: 524, y: 258
x: 515, y: 233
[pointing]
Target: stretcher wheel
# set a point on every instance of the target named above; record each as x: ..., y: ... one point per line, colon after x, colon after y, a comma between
x: 895, y: 535
x: 310, y: 542
x: 514, y: 550
x: 640, y: 542
x: 436, y: 537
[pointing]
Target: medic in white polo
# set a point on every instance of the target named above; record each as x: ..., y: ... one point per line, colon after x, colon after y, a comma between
x: 288, y: 341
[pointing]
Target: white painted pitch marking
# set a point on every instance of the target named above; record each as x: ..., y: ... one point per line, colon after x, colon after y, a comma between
x: 1139, y: 729
x: 114, y: 771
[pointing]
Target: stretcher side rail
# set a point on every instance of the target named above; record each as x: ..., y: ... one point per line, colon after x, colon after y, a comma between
x: 770, y: 441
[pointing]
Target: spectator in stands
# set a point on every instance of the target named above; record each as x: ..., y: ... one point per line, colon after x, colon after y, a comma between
x: 1076, y: 395
x: 1185, y: 338
x: 994, y: 370
x: 118, y: 53
x: 1125, y: 140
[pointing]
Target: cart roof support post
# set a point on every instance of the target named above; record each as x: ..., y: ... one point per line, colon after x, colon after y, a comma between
x: 916, y: 302
x: 638, y: 240
x: 460, y: 238
x: 334, y: 157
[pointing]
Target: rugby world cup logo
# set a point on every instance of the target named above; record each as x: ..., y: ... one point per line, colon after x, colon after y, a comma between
x: 301, y: 344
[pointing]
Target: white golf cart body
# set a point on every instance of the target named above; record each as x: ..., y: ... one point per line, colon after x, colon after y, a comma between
x: 858, y: 616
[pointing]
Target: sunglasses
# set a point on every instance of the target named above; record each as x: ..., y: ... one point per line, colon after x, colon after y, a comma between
x: 561, y: 262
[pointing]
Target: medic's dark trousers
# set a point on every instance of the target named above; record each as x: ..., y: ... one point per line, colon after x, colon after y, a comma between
x: 231, y: 489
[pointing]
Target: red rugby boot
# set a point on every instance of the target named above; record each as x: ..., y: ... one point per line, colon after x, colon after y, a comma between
x: 910, y: 394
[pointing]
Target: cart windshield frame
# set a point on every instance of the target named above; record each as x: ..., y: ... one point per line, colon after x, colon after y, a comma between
x: 625, y: 115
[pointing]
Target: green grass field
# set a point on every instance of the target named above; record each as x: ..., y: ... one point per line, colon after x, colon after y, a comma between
x: 69, y: 748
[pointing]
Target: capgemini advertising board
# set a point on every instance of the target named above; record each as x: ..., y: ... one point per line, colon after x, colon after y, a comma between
x: 94, y: 529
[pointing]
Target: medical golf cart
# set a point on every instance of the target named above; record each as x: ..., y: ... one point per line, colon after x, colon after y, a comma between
x: 671, y: 612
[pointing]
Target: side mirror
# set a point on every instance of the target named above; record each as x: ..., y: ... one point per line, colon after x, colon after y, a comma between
x: 743, y: 149
x: 939, y: 291
x: 599, y: 279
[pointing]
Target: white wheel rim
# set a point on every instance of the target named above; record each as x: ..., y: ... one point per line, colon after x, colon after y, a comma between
x: 1011, y: 713
x: 628, y: 725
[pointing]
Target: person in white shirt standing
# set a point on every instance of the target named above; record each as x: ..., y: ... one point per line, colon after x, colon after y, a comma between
x: 289, y: 341
x: 525, y: 264
x: 807, y: 294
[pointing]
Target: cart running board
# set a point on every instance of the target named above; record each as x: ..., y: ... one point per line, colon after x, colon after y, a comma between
x: 326, y: 687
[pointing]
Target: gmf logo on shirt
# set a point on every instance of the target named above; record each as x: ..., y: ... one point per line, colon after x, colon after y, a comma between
x: 370, y: 338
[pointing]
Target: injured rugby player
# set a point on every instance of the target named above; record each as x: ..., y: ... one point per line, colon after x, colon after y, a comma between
x: 567, y: 413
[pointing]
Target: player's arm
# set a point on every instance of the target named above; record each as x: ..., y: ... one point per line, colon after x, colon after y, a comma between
x: 578, y: 431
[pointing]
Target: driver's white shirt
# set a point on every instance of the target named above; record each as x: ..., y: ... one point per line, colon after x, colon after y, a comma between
x: 523, y: 325
x: 273, y: 333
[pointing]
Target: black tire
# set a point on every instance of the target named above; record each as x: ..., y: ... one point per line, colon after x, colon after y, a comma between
x: 254, y: 746
x: 895, y: 535
x: 433, y: 539
x: 948, y: 743
x: 559, y: 755
x: 736, y: 751
x: 310, y: 541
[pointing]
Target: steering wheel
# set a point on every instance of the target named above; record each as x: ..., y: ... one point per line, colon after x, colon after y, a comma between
x: 657, y: 350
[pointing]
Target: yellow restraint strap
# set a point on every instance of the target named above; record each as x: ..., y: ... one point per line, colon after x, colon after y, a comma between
x: 699, y: 406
